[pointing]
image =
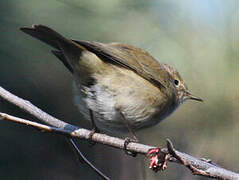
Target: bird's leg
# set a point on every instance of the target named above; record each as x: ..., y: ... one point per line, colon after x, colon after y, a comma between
x: 94, y: 127
x: 128, y: 139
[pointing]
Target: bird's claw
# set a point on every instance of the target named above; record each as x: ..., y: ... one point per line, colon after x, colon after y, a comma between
x: 92, y: 132
x: 126, y: 143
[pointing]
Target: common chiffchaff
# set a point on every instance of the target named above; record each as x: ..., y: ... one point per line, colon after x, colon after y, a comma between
x: 117, y: 85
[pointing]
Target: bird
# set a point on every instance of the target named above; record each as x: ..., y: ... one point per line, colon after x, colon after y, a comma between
x: 118, y: 87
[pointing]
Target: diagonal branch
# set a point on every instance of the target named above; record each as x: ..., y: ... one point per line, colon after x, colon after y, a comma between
x: 197, y: 166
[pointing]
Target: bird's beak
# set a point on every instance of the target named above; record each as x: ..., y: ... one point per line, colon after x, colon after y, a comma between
x: 192, y: 97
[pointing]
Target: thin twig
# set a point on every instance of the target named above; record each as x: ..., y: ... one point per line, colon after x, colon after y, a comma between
x: 69, y: 130
x: 87, y: 161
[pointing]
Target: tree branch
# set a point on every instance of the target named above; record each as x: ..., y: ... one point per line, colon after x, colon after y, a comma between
x: 197, y: 166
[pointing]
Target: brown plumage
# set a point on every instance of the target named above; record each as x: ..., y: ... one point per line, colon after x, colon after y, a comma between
x: 115, y: 79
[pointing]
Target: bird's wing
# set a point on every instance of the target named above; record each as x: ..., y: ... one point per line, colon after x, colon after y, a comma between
x: 132, y: 58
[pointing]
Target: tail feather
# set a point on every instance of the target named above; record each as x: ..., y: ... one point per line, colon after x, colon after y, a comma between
x: 67, y: 50
x: 45, y: 34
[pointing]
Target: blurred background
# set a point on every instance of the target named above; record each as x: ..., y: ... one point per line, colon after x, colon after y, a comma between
x: 199, y: 38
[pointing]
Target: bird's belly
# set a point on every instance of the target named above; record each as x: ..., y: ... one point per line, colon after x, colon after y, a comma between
x: 110, y: 101
x: 104, y: 107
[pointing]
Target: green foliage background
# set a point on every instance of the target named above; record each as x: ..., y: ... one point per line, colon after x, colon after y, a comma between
x: 199, y: 38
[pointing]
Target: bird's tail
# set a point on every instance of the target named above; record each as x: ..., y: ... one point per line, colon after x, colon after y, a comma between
x: 46, y: 35
x: 66, y: 50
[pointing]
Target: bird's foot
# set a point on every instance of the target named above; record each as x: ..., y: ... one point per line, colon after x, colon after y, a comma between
x: 158, y: 160
x: 126, y: 143
x: 92, y: 132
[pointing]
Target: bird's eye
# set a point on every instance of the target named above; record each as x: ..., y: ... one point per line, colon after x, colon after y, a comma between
x: 176, y: 82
